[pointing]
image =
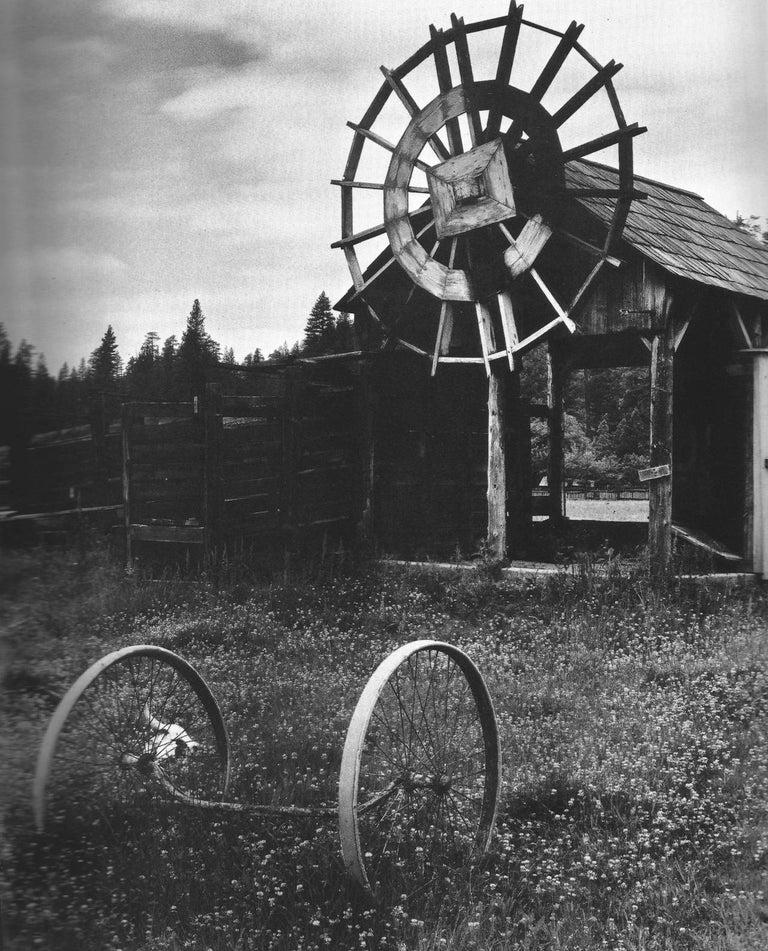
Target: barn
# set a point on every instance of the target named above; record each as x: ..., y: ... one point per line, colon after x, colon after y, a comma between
x: 685, y: 293
x: 506, y: 232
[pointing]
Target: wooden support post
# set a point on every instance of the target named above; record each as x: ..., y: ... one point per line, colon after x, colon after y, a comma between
x: 518, y: 457
x: 213, y: 504
x: 660, y: 490
x: 760, y: 464
x: 497, y: 471
x: 126, y: 420
x: 556, y: 464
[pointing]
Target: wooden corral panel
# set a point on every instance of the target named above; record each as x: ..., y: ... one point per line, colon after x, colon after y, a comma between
x: 71, y: 468
x: 234, y: 472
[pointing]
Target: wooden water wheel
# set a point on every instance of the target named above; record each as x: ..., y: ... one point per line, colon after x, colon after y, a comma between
x: 477, y: 185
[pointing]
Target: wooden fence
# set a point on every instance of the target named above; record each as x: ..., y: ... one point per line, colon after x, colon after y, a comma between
x: 232, y: 472
x: 68, y: 469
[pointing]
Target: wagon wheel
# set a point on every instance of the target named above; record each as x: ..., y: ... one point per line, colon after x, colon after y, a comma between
x: 421, y: 770
x: 137, y: 715
x: 495, y: 197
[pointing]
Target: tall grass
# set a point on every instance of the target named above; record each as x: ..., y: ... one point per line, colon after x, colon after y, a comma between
x: 635, y: 762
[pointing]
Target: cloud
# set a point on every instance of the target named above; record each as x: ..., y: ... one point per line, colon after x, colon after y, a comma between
x: 64, y: 265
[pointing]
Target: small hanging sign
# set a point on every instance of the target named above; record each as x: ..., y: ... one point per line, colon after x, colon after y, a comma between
x: 655, y: 472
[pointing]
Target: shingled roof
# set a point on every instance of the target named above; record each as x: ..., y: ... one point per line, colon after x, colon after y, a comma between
x: 679, y: 231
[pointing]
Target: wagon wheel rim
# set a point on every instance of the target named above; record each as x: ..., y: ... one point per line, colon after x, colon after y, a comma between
x: 136, y: 714
x: 413, y: 241
x: 420, y: 772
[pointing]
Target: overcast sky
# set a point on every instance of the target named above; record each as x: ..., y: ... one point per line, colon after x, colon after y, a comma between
x: 154, y: 151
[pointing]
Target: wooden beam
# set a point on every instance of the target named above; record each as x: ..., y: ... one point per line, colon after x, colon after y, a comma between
x: 504, y: 67
x: 379, y: 186
x: 412, y: 106
x: 567, y: 43
x: 467, y: 78
x: 445, y: 323
x: 485, y: 329
x: 577, y: 242
x: 375, y: 231
x: 509, y: 326
x: 587, y: 91
x: 525, y: 249
x: 555, y: 464
x: 384, y: 143
x: 742, y: 327
x: 444, y: 81
x: 552, y: 300
x: 603, y: 141
x: 497, y: 469
x: 660, y: 490
x: 385, y: 266
x: 759, y: 464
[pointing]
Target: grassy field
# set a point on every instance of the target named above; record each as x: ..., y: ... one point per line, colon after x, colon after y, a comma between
x: 634, y: 727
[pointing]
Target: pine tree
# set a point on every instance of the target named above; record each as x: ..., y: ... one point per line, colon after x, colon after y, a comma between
x: 320, y: 327
x: 198, y: 353
x: 105, y: 360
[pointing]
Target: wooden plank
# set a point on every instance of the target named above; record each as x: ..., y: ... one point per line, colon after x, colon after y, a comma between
x: 467, y: 78
x: 181, y: 431
x: 567, y: 42
x: 177, y: 534
x: 523, y: 250
x: 445, y: 322
x: 410, y: 104
x: 504, y: 66
x: 385, y: 144
x: 374, y: 232
x: 378, y: 186
x: 508, y: 326
x: 158, y: 409
x: 267, y: 407
x: 485, y: 329
x: 654, y: 472
x: 704, y: 541
x: 445, y: 83
x: 587, y: 91
x: 496, y: 538
x: 603, y: 141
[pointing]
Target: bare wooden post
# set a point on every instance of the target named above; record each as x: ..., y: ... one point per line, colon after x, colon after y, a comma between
x: 760, y: 464
x: 660, y: 489
x: 214, y: 471
x: 555, y: 466
x: 126, y: 415
x: 497, y: 471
